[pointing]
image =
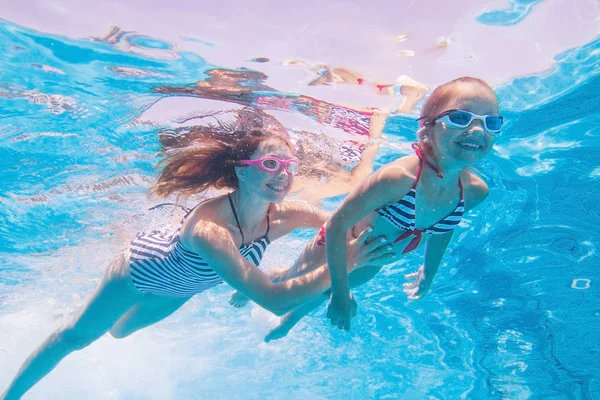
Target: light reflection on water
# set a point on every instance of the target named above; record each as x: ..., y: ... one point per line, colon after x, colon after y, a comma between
x: 512, y: 313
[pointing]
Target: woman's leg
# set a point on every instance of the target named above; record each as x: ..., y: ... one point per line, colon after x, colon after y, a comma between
x: 149, y: 310
x: 113, y: 297
x: 287, y: 322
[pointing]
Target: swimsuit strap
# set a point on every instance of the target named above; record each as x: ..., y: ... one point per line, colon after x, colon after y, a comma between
x: 236, y: 217
x: 238, y: 221
x: 171, y: 204
x: 421, y: 154
x: 269, y: 223
x: 414, y: 186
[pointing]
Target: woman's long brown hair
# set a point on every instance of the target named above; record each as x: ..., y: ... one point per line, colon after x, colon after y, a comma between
x: 208, y: 164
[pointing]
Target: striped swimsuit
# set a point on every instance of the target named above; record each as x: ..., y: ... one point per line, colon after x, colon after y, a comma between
x: 402, y: 214
x: 162, y: 266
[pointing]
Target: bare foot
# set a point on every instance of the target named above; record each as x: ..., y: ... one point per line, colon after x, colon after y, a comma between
x: 238, y: 300
x: 280, y: 331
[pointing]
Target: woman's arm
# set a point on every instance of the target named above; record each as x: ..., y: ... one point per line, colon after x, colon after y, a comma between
x: 217, y: 247
x: 297, y: 214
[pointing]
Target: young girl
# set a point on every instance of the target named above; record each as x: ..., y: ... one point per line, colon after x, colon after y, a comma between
x: 220, y: 240
x: 417, y: 197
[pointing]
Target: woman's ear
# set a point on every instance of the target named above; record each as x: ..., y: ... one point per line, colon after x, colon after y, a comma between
x: 240, y: 173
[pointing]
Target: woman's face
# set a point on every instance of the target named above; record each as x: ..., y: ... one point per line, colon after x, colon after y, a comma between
x: 269, y: 186
x: 466, y: 145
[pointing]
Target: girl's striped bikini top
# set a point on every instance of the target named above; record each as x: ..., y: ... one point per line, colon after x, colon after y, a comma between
x: 402, y: 213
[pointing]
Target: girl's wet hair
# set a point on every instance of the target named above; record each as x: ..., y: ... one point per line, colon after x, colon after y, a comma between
x: 208, y: 164
x: 439, y: 99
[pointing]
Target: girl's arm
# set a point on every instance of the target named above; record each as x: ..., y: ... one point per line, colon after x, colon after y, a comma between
x: 434, y: 252
x: 381, y: 188
x: 475, y: 191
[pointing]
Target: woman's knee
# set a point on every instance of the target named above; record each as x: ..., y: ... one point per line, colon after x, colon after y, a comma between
x: 124, y: 326
x: 118, y: 332
x: 75, y: 338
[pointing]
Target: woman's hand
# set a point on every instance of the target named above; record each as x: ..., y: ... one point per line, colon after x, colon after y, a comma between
x: 365, y: 250
x: 419, y: 287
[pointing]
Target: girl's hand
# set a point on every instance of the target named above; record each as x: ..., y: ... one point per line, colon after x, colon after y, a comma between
x: 365, y: 250
x: 341, y: 310
x: 419, y: 287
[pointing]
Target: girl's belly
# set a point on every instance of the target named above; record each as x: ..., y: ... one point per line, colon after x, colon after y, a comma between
x: 382, y: 227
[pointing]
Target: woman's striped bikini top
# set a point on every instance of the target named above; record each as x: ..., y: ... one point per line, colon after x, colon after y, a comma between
x: 161, y: 265
x: 402, y: 213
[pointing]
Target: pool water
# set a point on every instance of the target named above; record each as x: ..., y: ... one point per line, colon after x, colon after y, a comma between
x: 514, y: 312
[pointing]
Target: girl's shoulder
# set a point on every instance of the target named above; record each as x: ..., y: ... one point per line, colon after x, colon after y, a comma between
x: 475, y: 190
x: 388, y: 183
x: 399, y: 174
x: 401, y: 169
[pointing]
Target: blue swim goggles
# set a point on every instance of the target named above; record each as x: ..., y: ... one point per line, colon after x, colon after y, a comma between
x: 460, y: 119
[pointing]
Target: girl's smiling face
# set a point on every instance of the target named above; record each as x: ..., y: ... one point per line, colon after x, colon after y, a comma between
x: 470, y: 144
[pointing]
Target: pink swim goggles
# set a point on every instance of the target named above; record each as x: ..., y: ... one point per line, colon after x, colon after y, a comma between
x: 273, y: 164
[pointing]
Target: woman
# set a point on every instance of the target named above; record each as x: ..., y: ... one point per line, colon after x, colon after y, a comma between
x: 424, y: 195
x: 220, y: 240
x: 329, y: 168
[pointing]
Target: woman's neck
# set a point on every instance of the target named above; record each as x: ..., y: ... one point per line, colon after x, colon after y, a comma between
x: 251, y: 210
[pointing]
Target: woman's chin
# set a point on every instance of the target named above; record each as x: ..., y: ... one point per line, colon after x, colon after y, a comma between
x: 275, y: 196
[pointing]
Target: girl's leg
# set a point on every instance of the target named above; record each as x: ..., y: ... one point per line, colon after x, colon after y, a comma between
x: 287, y: 322
x: 150, y: 310
x: 113, y: 297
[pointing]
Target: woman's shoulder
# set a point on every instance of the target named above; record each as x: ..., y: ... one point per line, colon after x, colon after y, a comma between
x: 289, y: 208
x: 278, y: 210
x: 208, y: 206
x: 208, y: 212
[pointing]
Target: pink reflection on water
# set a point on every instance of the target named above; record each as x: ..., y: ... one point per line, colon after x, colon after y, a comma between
x: 362, y: 37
